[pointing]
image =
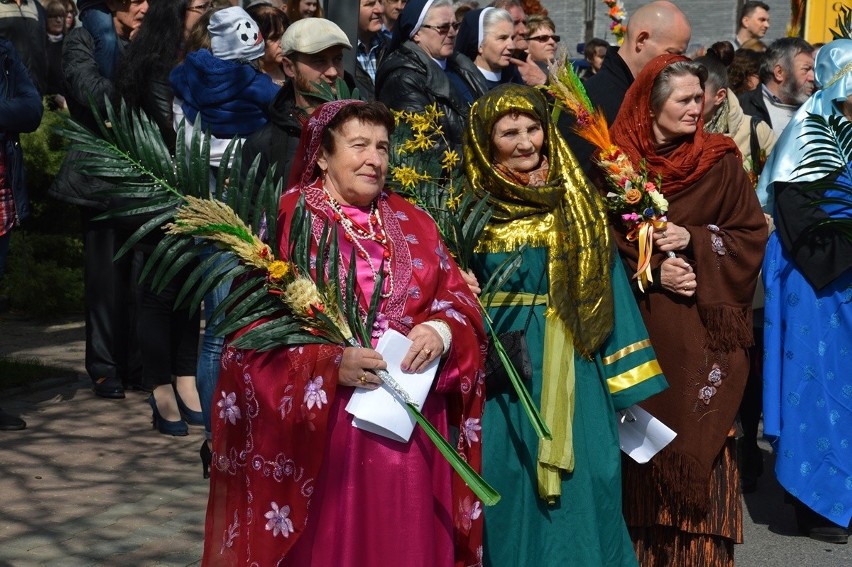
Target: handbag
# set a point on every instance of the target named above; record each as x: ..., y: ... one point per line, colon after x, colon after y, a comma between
x: 515, y: 344
x: 496, y: 377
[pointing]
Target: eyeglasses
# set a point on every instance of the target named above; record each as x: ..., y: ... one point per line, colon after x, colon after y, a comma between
x: 201, y: 8
x: 443, y: 29
x: 544, y: 38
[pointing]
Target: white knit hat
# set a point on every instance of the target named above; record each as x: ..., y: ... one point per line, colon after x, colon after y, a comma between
x: 235, y: 36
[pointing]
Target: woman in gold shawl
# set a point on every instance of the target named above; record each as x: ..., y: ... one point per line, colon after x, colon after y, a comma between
x: 561, y: 498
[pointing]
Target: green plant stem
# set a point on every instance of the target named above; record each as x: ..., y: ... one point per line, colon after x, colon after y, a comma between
x: 482, y: 489
x: 537, y: 422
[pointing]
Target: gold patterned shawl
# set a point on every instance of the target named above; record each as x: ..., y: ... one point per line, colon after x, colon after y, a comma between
x: 566, y: 214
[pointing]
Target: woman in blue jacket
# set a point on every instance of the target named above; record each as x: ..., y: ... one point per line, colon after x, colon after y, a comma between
x: 20, y: 111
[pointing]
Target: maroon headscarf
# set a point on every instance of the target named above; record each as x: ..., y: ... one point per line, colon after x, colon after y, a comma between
x: 694, y: 155
x: 303, y: 170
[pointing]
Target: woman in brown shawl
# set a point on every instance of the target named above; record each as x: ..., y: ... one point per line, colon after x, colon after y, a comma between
x: 683, y: 507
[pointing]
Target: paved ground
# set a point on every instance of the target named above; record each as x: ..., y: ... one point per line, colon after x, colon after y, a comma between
x: 89, y: 483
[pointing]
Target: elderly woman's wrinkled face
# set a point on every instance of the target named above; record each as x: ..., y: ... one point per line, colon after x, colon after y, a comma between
x: 354, y: 169
x: 438, y: 39
x: 496, y: 48
x: 516, y: 141
x: 679, y: 115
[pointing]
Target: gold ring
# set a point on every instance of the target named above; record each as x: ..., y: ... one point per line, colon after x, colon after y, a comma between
x: 428, y: 351
x: 363, y: 378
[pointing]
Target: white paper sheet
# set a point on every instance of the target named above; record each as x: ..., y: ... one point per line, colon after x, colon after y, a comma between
x: 379, y: 411
x: 642, y: 435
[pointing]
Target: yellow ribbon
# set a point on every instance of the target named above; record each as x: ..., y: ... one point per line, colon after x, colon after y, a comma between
x: 646, y: 249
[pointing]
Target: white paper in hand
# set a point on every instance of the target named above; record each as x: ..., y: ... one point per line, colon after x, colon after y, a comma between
x: 379, y: 411
x: 641, y: 434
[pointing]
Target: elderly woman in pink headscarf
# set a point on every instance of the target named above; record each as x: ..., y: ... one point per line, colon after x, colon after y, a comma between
x: 283, y: 443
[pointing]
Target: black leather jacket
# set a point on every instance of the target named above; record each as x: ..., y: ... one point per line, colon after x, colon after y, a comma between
x: 277, y: 140
x: 82, y: 80
x: 408, y: 79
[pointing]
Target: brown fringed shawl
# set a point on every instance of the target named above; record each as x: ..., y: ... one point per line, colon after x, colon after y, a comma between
x: 700, y: 341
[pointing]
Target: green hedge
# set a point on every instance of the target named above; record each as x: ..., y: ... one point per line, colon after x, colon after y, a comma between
x: 44, y: 274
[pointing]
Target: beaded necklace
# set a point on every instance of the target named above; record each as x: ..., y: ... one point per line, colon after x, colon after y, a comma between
x: 354, y: 232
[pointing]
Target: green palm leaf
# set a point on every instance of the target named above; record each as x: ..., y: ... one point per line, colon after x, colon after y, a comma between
x: 828, y: 145
x: 151, y: 182
x: 844, y: 23
x: 827, y: 151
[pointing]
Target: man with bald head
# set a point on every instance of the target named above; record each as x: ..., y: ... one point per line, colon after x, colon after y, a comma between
x: 654, y: 29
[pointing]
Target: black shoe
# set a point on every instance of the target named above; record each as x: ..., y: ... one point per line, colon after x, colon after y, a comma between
x: 829, y: 534
x: 817, y: 527
x: 10, y: 422
x: 206, y: 457
x: 192, y: 417
x: 110, y: 388
x: 177, y: 428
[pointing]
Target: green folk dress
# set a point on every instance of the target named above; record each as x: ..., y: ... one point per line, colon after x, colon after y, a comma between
x: 585, y: 526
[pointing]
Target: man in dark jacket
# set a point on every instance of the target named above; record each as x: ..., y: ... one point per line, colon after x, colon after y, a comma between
x: 655, y: 29
x: 108, y: 283
x: 313, y: 53
x: 20, y: 111
x: 786, y: 82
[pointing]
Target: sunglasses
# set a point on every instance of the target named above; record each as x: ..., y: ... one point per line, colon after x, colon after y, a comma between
x: 201, y: 8
x: 443, y: 29
x: 544, y: 38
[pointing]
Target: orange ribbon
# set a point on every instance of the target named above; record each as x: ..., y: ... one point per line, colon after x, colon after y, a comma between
x: 644, y: 233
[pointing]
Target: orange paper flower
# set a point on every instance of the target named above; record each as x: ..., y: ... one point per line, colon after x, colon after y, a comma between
x: 632, y: 196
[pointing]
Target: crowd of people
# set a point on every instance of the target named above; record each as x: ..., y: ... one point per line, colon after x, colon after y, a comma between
x: 744, y: 312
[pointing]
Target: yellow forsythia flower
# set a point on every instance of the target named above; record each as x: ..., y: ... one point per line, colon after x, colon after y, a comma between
x: 450, y: 160
x: 407, y: 176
